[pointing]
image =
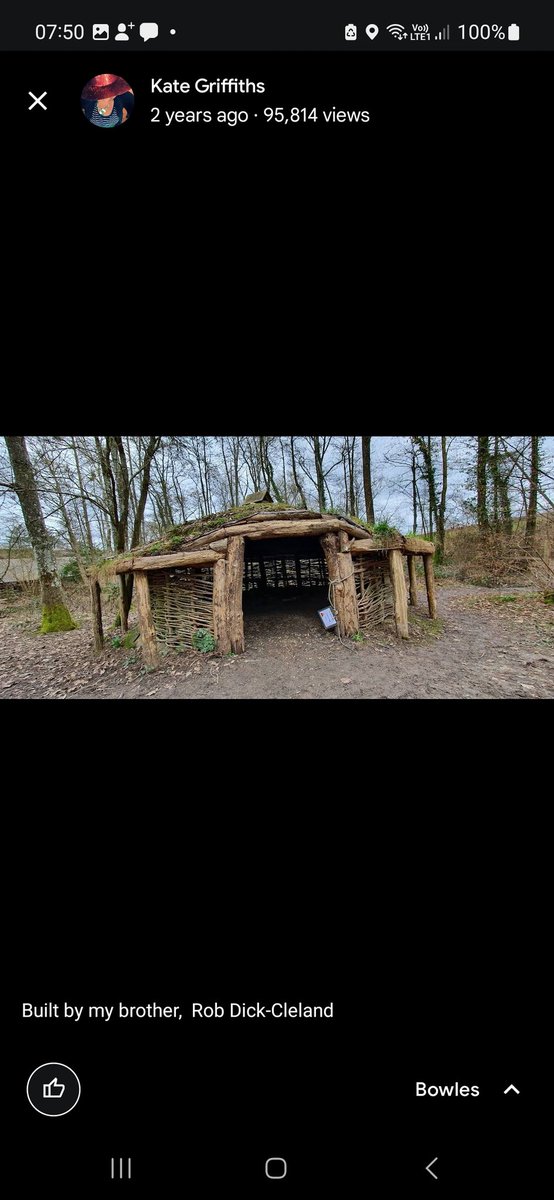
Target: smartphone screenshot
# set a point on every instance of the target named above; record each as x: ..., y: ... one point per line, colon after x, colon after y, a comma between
x: 275, y: 948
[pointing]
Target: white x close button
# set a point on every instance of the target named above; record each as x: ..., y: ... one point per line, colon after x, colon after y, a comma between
x: 37, y: 100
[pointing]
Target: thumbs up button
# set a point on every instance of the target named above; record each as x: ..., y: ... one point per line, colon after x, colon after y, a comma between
x: 53, y: 1089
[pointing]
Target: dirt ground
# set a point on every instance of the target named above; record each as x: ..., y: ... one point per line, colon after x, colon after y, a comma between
x: 483, y: 645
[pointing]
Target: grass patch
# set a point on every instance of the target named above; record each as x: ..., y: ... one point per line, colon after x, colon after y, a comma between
x: 431, y: 627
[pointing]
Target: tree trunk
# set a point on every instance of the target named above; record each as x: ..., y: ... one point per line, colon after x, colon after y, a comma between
x: 96, y: 612
x: 71, y: 535
x: 413, y: 579
x: 426, y: 450
x: 502, y: 515
x: 482, y: 462
x: 319, y: 476
x: 368, y: 488
x: 297, y: 483
x: 531, y: 522
x: 494, y: 468
x: 55, y: 614
x: 82, y: 490
x: 414, y: 494
x: 439, y: 552
x: 127, y: 590
x: 505, y: 507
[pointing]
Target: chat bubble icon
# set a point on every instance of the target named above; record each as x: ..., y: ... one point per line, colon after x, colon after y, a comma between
x: 148, y: 30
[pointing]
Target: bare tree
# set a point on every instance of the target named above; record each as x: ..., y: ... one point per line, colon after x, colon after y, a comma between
x: 295, y: 474
x: 368, y: 483
x: 437, y: 501
x: 15, y: 538
x: 318, y: 473
x: 482, y: 469
x: 531, y: 522
x: 55, y: 613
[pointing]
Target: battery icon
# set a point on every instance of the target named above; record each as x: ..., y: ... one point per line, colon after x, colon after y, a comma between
x: 513, y: 33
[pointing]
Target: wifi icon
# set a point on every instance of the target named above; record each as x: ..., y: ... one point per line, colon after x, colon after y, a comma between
x: 397, y: 31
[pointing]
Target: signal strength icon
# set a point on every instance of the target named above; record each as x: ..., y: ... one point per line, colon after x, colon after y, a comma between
x: 444, y: 36
x: 397, y: 31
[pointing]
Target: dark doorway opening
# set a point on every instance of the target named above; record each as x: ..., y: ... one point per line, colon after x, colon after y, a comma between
x: 285, y: 583
x: 278, y: 569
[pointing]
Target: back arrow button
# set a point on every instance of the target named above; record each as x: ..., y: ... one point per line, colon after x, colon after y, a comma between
x: 428, y: 1168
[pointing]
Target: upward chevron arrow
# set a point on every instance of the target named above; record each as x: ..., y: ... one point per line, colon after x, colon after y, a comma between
x: 511, y: 1088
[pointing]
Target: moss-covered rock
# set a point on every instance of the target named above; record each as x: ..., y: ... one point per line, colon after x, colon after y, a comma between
x: 56, y: 618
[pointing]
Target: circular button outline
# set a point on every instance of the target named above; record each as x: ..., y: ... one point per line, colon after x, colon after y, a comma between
x: 66, y: 1068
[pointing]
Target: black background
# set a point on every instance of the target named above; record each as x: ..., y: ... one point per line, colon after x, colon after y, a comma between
x: 417, y: 921
x: 388, y: 273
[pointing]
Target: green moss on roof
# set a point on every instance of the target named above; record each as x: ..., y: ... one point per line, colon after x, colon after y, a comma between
x: 178, y: 537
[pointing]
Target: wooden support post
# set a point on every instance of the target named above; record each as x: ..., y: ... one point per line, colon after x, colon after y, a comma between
x: 413, y: 579
x: 148, y: 643
x: 329, y: 543
x: 122, y: 614
x: 96, y: 611
x: 396, y: 569
x: 430, y: 584
x: 350, y: 598
x: 343, y: 593
x: 235, y: 569
x: 221, y: 628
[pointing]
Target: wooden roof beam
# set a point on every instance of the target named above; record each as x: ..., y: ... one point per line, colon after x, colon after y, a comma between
x: 160, y: 562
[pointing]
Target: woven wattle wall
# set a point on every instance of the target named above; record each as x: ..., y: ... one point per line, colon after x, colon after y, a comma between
x: 373, y: 589
x: 182, y: 602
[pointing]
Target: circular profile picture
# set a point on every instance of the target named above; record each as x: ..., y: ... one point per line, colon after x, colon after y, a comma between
x: 107, y: 100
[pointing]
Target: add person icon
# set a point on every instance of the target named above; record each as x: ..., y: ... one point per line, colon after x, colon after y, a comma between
x: 121, y: 36
x: 107, y: 100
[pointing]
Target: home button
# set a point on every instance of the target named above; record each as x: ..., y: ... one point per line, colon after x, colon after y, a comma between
x: 276, y: 1168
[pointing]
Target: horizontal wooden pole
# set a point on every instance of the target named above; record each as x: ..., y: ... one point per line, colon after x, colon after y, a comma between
x: 355, y: 531
x: 255, y: 531
x: 278, y: 529
x: 366, y: 546
x: 292, y: 514
x: 268, y: 529
x: 293, y: 528
x: 160, y: 562
x: 415, y: 545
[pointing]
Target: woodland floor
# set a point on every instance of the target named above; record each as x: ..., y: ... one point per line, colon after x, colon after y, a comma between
x: 482, y: 645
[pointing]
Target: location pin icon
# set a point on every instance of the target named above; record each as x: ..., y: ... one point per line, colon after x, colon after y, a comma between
x: 372, y: 31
